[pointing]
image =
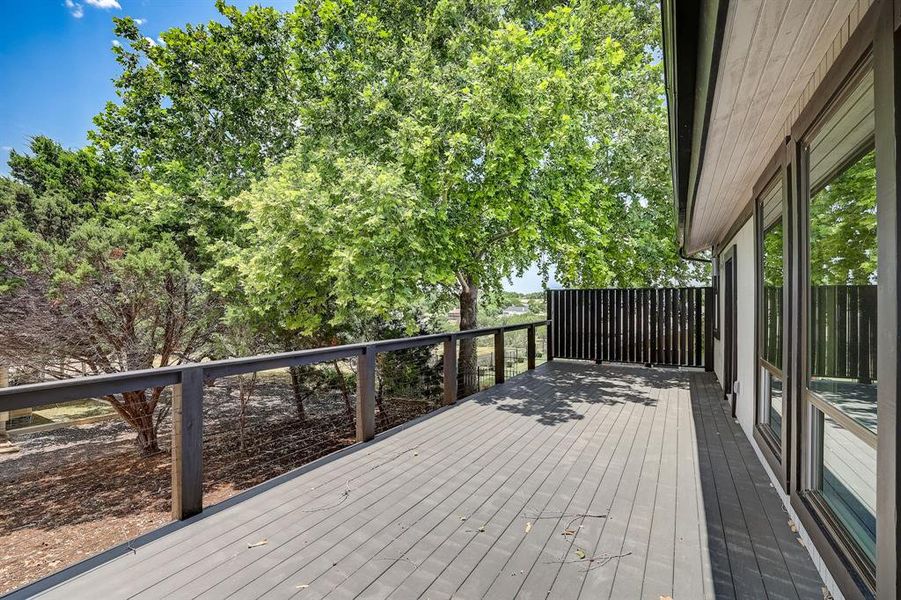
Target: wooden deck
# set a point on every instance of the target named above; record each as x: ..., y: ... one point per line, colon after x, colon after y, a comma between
x: 574, y: 480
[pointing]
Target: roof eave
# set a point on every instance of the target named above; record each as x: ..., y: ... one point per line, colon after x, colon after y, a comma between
x: 692, y: 41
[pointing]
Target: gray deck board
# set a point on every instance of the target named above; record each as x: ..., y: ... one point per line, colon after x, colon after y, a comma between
x: 440, y: 508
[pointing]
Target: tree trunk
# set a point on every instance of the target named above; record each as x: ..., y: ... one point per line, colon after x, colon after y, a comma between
x: 345, y: 392
x: 138, y: 411
x: 468, y: 360
x: 298, y: 392
x: 147, y: 441
x: 245, y: 390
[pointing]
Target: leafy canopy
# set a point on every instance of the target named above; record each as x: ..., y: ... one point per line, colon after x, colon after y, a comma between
x: 503, y: 133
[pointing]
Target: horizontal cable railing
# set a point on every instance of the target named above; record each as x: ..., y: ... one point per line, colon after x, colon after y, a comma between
x: 334, y: 418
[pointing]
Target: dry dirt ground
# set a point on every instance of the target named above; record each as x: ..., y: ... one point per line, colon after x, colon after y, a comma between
x: 74, y: 492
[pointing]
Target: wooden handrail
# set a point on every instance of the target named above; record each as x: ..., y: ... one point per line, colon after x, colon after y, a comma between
x: 65, y: 390
x: 187, y: 397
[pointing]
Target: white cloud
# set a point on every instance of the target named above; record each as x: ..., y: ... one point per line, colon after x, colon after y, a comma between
x: 116, y: 43
x: 104, y: 4
x: 150, y: 40
x: 160, y: 41
x: 140, y: 22
x: 75, y: 9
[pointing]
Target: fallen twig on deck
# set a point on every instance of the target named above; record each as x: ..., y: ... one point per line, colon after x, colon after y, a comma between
x: 347, y: 489
x: 593, y: 562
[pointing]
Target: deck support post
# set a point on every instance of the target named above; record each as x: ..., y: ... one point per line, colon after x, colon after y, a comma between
x: 499, y: 356
x: 530, y: 348
x: 450, y: 370
x: 366, y: 394
x: 5, y: 445
x: 187, y: 444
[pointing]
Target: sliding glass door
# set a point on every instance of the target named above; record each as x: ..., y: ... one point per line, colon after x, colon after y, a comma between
x: 841, y: 316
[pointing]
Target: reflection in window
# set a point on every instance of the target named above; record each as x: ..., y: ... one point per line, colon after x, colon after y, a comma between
x: 772, y: 294
x: 848, y: 481
x: 842, y: 310
x: 771, y: 394
x: 771, y: 309
x: 841, y: 322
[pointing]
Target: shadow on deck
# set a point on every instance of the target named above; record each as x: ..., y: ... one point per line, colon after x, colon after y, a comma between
x: 574, y: 480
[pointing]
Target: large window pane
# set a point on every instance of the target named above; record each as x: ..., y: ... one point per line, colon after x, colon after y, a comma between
x: 772, y: 398
x: 842, y: 259
x: 842, y: 331
x: 772, y: 294
x: 772, y: 278
x: 775, y: 413
x: 848, y: 481
x: 841, y: 312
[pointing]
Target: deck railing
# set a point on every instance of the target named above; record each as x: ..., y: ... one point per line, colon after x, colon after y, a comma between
x: 188, y: 382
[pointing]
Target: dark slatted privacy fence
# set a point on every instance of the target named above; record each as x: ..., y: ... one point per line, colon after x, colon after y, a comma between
x: 660, y: 326
x: 843, y: 331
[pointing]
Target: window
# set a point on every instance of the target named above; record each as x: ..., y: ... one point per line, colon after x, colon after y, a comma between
x: 716, y: 300
x: 841, y: 314
x: 771, y: 319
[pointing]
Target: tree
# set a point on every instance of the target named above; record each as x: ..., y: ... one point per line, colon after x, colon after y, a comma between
x: 78, y: 175
x: 103, y: 301
x: 311, y: 253
x: 218, y: 100
x: 84, y: 289
x: 843, y: 245
x: 513, y: 133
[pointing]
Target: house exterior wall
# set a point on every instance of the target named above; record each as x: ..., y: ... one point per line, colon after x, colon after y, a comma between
x: 863, y: 56
x: 746, y: 318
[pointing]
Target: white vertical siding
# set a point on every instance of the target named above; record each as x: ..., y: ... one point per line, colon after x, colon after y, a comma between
x: 746, y: 282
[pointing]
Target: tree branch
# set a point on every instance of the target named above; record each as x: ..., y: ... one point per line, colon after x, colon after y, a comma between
x: 495, y: 239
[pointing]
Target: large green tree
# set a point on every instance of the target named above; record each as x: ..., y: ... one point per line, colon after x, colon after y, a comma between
x: 87, y: 286
x: 515, y: 132
x: 216, y: 99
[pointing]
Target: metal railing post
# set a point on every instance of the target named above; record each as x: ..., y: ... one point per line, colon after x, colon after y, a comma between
x: 530, y: 348
x: 450, y: 370
x: 499, y: 356
x: 366, y: 394
x: 187, y: 444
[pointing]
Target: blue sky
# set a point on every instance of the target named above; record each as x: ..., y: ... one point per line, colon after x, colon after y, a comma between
x: 57, y: 67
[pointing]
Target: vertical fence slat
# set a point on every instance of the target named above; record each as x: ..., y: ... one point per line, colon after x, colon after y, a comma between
x: 841, y: 332
x: 690, y: 328
x: 627, y: 325
x: 699, y: 325
x: 639, y: 329
x: 661, y: 333
x: 652, y: 322
x: 586, y: 325
x: 620, y: 325
x: 865, y: 333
